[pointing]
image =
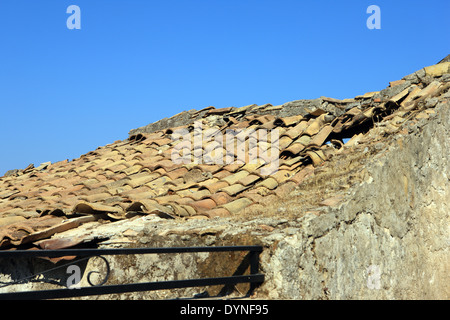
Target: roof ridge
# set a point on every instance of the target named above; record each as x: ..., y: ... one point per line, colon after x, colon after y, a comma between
x: 290, y: 108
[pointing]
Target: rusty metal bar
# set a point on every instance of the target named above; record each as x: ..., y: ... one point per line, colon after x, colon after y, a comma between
x: 255, y: 278
x: 103, y: 252
x: 124, y: 288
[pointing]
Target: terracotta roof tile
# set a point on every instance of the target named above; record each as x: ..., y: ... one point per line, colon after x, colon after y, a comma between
x: 233, y: 167
x: 313, y: 126
x: 282, y: 175
x: 55, y: 244
x: 254, y: 195
x: 274, y: 108
x: 96, y: 197
x: 184, y: 197
x: 220, y: 198
x: 220, y: 111
x: 233, y: 178
x: 179, y: 210
x: 138, y: 176
x: 304, y: 173
x: 132, y: 169
x: 317, y: 156
x: 167, y: 199
x: 288, y: 121
x: 176, y: 173
x: 32, y: 229
x: 233, y: 189
x: 261, y: 120
x: 218, y: 212
x: 252, y: 167
x: 197, y: 194
x: 212, y: 168
x: 292, y: 163
x: 294, y: 149
x: 221, y: 174
x: 68, y: 201
x: 203, y: 205
x: 285, y: 142
x: 269, y: 183
x: 141, y: 179
x: 249, y: 179
x: 113, y: 176
x: 183, y: 186
x: 285, y: 189
x: 140, y: 194
x: 216, y: 186
x: 294, y: 132
x: 321, y: 136
x: 237, y: 205
x: 11, y: 220
x: 151, y: 207
x: 93, y: 208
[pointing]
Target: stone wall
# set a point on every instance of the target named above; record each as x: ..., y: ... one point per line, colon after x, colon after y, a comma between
x: 390, y: 240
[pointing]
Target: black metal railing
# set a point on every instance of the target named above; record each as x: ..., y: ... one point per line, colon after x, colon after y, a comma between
x: 254, y: 278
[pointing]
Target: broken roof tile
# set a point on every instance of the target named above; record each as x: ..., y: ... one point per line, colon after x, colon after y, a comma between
x: 282, y: 175
x: 321, y: 136
x: 149, y: 206
x: 438, y: 70
x: 220, y: 111
x: 367, y: 95
x: 294, y: 132
x: 317, y: 156
x: 288, y: 121
x: 32, y: 229
x: 303, y: 174
x: 396, y: 83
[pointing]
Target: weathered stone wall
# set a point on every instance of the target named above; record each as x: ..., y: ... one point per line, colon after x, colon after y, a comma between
x: 396, y: 225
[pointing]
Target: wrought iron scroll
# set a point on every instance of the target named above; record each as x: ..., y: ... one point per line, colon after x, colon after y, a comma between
x: 48, y: 271
x: 254, y: 278
x: 105, y: 279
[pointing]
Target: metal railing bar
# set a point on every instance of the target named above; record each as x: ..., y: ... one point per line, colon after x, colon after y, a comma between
x: 136, y: 287
x: 96, y: 252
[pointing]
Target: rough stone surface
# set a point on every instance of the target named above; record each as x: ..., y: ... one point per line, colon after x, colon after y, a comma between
x: 396, y: 224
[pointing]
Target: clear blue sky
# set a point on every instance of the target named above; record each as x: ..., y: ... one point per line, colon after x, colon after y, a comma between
x: 65, y: 92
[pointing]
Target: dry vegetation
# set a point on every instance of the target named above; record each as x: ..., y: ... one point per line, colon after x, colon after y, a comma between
x: 329, y: 182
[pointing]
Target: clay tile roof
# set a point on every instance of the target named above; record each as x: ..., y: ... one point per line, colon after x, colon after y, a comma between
x: 138, y: 176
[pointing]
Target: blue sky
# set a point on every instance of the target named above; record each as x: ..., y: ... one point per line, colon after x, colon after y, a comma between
x: 65, y: 92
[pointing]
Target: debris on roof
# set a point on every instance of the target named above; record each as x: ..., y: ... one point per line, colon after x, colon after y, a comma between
x: 183, y: 167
